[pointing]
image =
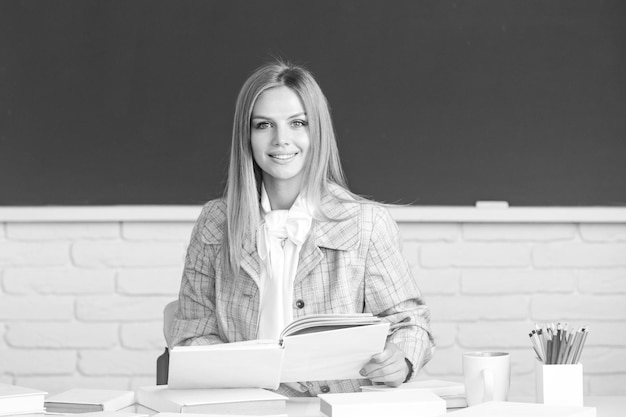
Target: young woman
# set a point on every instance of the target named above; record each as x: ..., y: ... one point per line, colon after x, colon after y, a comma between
x: 289, y: 239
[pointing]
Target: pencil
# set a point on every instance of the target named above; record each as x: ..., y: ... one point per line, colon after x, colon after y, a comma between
x: 558, y: 343
x: 583, y: 337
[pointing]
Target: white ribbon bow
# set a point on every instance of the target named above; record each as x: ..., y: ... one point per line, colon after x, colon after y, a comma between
x: 282, y: 224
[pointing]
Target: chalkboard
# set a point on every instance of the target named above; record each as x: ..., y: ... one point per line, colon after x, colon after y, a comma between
x: 435, y: 102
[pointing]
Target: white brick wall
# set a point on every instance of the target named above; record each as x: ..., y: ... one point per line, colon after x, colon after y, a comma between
x: 81, y: 302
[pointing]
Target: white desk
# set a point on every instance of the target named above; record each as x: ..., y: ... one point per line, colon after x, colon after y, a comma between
x: 309, y: 407
x: 606, y: 406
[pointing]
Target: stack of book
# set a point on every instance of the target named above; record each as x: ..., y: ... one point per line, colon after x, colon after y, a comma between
x: 453, y: 393
x: 20, y: 400
x: 80, y: 400
x: 121, y: 413
x: 518, y: 409
x: 237, y: 401
x: 397, y: 403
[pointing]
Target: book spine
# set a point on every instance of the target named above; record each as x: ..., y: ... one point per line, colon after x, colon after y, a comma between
x: 326, y: 408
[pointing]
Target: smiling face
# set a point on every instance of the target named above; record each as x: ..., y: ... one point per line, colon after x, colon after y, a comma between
x: 279, y: 135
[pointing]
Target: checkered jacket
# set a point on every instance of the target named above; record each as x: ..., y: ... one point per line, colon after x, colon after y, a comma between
x: 353, y: 265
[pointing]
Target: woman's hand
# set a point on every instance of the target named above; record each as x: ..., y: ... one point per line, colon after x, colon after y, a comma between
x: 388, y: 366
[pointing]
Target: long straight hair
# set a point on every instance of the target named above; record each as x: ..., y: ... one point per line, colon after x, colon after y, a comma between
x: 323, y: 167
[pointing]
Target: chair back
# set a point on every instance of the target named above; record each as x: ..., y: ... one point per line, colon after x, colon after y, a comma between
x: 168, y: 319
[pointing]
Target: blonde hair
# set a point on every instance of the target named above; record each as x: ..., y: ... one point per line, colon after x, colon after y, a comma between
x: 323, y: 168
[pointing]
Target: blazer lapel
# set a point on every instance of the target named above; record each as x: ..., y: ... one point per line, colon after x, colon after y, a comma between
x: 342, y: 234
x: 250, y: 261
x: 310, y: 256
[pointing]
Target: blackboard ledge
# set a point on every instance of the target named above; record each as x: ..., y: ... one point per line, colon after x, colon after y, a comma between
x: 419, y: 214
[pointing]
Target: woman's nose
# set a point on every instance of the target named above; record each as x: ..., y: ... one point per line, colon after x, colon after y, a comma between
x: 281, y: 137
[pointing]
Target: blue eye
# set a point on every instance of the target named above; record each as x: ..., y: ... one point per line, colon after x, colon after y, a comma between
x: 262, y: 125
x: 299, y: 123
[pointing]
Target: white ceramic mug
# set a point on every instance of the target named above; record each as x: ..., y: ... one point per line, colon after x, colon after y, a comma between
x: 487, y: 376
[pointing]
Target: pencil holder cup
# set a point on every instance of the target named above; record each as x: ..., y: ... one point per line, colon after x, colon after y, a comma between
x: 559, y: 384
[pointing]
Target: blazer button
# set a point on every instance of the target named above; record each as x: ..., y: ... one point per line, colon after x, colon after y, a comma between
x: 325, y: 389
x: 300, y: 304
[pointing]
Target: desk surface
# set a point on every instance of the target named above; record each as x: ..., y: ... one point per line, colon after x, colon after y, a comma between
x: 605, y: 406
x: 309, y: 407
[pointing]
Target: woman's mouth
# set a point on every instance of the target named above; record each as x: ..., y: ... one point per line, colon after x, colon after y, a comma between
x: 283, y: 156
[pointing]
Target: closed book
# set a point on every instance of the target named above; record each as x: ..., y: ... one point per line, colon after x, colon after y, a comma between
x: 83, y: 400
x: 142, y: 409
x: 438, y: 386
x: 397, y: 403
x: 119, y: 413
x: 454, y: 401
x: 15, y: 399
x: 241, y: 401
x: 518, y: 409
x: 452, y: 392
x: 214, y: 415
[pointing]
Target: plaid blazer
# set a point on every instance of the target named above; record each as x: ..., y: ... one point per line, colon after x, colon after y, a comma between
x: 353, y: 265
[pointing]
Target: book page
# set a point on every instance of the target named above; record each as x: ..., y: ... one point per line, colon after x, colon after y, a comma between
x: 247, y: 365
x: 333, y: 354
x: 246, y: 344
x: 327, y: 321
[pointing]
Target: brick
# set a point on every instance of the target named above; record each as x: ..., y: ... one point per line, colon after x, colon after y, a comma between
x: 522, y: 388
x: 495, y: 335
x: 444, y: 334
x: 143, y: 335
x: 118, y: 362
x: 471, y: 308
x: 603, y: 360
x: 430, y: 231
x: 475, y: 255
x: 610, y: 281
x: 37, y: 361
x: 44, y: 308
x: 62, y: 231
x: 579, y: 255
x: 445, y: 362
x: 62, y: 335
x: 522, y: 360
x: 507, y: 281
x: 120, y: 308
x: 56, y: 384
x: 607, y: 334
x: 434, y: 282
x: 607, y: 385
x: 559, y: 308
x: 180, y: 231
x: 603, y: 232
x: 141, y: 381
x: 410, y: 251
x: 58, y: 280
x: 518, y: 231
x: 128, y: 254
x: 158, y: 281
x: 34, y: 253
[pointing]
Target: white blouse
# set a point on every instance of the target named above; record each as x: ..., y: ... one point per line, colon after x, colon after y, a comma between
x: 279, y: 241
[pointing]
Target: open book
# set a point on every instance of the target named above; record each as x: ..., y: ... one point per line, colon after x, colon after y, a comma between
x: 311, y: 348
